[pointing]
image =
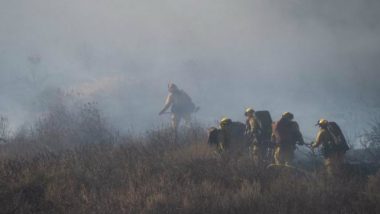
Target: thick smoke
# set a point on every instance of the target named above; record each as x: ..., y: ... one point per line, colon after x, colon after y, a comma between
x: 316, y: 58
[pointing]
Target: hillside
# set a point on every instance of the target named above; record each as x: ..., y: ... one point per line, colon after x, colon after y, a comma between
x: 149, y: 174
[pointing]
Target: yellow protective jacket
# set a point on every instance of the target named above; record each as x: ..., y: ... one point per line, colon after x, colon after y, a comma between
x: 325, y: 139
x: 287, y: 133
x: 252, y: 126
x: 180, y: 103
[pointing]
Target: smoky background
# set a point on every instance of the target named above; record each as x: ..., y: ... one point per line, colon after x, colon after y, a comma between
x: 313, y: 58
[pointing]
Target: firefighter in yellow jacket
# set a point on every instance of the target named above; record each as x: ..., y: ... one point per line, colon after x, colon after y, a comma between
x: 286, y: 134
x: 253, y: 135
x: 333, y: 155
x: 181, y: 106
x: 225, y: 134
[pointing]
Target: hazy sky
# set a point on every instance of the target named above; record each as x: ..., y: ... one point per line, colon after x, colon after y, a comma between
x: 315, y: 58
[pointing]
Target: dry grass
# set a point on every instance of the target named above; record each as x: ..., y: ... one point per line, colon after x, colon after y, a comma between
x: 50, y: 170
x: 157, y: 177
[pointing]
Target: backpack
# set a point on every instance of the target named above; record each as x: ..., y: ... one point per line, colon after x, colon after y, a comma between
x: 265, y: 119
x: 236, y: 132
x: 213, y: 136
x: 286, y: 133
x: 338, y: 137
x: 183, y: 103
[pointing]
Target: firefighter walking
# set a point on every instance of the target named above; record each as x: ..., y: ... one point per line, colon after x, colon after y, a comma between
x: 253, y: 132
x: 181, y: 106
x: 286, y: 136
x: 334, y: 145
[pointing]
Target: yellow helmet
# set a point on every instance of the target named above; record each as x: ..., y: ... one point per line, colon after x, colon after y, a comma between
x: 225, y: 121
x: 249, y: 111
x: 322, y: 122
x: 288, y: 115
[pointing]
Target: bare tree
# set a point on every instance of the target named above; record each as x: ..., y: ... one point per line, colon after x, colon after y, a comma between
x: 371, y: 141
x: 4, y: 129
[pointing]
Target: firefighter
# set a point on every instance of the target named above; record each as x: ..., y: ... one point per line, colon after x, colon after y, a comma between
x: 286, y: 136
x: 181, y: 105
x: 225, y: 134
x: 253, y: 132
x: 229, y: 136
x: 333, y: 149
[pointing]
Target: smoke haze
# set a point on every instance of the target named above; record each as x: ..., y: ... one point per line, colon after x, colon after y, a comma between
x: 315, y: 58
